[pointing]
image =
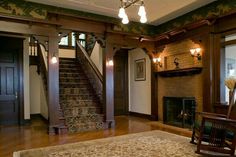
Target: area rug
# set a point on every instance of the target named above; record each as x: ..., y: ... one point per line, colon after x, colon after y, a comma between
x: 146, y: 144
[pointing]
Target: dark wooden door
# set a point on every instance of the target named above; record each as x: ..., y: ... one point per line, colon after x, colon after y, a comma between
x: 121, y: 82
x: 9, y: 106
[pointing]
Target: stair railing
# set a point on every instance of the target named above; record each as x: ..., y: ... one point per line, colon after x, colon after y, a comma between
x: 43, y: 67
x: 94, y: 75
x: 33, y: 47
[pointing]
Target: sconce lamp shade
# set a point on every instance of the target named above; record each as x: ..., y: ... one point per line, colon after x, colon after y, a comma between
x: 192, y: 51
x: 110, y: 63
x: 54, y: 60
x: 195, y: 52
x: 198, y: 50
x: 154, y: 60
x: 157, y: 61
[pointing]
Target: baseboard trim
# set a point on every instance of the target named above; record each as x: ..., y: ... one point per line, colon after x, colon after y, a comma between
x: 154, y: 118
x: 141, y: 115
x: 25, y: 122
x: 38, y: 116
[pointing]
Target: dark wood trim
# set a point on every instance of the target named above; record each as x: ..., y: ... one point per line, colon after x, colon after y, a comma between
x: 25, y: 122
x: 67, y: 47
x: 53, y: 86
x: 193, y: 34
x: 207, y: 72
x: 94, y: 67
x: 180, y: 72
x: 25, y: 28
x: 154, y: 93
x: 231, y: 42
x: 15, y: 18
x: 124, y: 54
x: 141, y: 115
x: 183, y: 30
x: 21, y: 80
x: 38, y: 116
x: 108, y: 86
x: 224, y: 26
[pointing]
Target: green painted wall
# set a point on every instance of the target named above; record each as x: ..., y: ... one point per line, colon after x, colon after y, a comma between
x: 39, y: 11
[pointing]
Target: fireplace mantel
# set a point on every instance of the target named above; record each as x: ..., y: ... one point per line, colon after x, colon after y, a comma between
x: 180, y: 72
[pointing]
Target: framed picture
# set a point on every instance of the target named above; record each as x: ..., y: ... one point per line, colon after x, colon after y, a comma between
x: 140, y: 70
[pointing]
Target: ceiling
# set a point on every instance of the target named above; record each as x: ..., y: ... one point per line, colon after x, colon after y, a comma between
x: 158, y: 11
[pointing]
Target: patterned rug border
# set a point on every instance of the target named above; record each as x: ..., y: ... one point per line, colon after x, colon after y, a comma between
x: 161, y: 134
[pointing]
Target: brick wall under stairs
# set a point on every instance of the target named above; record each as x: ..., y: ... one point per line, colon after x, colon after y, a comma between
x: 80, y: 107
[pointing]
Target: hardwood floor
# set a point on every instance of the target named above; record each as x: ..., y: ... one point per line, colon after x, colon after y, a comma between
x: 14, y: 138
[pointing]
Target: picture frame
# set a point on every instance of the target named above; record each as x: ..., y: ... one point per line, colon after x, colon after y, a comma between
x: 140, y: 70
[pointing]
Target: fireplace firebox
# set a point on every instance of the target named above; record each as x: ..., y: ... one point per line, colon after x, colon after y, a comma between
x: 179, y: 111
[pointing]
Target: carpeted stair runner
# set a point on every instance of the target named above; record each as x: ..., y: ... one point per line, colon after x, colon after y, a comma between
x: 80, y: 106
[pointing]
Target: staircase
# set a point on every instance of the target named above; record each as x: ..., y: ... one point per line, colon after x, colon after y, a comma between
x: 80, y: 106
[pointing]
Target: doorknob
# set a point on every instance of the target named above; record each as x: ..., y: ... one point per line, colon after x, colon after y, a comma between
x: 16, y: 95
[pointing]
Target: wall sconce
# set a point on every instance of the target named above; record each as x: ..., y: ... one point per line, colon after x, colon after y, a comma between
x: 54, y: 59
x: 110, y: 62
x: 157, y: 61
x: 196, y: 53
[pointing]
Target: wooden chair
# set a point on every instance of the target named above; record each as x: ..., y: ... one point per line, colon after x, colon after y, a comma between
x: 216, y: 134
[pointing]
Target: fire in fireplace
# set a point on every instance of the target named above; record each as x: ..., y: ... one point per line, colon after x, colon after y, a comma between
x: 179, y: 111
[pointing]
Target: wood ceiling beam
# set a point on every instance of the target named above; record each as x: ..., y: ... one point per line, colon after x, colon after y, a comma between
x: 23, y: 28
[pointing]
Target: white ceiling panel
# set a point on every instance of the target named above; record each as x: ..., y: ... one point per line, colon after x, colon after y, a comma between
x: 158, y: 11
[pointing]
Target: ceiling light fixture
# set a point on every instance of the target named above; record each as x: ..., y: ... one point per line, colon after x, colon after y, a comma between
x: 127, y: 3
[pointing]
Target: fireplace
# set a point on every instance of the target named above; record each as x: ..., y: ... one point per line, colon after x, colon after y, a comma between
x: 179, y: 111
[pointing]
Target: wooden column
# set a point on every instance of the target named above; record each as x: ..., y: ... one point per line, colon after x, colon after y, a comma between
x: 53, y: 85
x: 108, y: 87
x: 154, y: 92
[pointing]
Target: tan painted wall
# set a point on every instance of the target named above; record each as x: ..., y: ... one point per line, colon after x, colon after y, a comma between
x: 34, y: 90
x: 96, y: 56
x: 139, y: 91
x: 67, y: 53
x: 38, y: 99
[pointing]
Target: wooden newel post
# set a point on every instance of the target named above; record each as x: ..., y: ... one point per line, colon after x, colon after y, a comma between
x: 53, y: 85
x: 108, y: 87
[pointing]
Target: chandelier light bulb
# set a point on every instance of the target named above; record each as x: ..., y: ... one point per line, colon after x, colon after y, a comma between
x: 141, y: 11
x: 125, y: 19
x: 121, y: 12
x: 128, y: 3
x: 143, y: 19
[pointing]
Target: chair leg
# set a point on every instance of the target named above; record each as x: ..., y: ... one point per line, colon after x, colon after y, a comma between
x: 192, y: 138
